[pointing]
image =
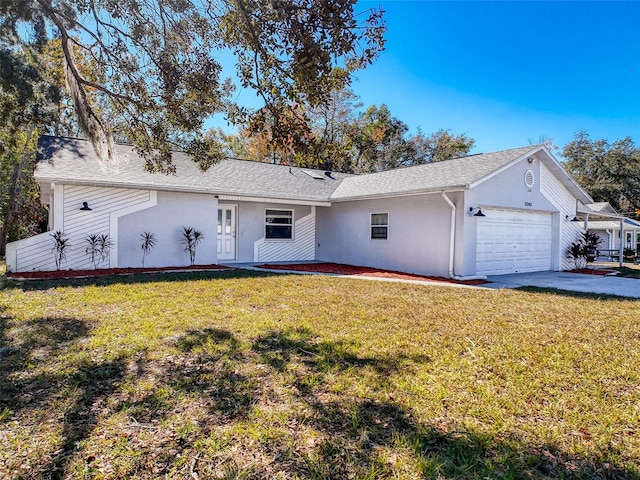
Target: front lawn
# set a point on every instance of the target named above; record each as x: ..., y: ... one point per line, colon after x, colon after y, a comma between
x: 257, y: 375
x: 631, y: 271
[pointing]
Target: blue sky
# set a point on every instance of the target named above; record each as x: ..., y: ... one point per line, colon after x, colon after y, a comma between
x: 508, y: 72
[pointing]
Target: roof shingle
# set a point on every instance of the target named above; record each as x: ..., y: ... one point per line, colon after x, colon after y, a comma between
x: 73, y: 161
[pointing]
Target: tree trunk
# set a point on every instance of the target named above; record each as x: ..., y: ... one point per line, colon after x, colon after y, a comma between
x: 14, y: 193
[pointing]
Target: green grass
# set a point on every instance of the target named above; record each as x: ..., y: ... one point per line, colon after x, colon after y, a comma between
x: 246, y: 375
x: 630, y: 271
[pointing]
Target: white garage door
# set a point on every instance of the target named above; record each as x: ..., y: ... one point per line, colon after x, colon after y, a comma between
x: 512, y: 241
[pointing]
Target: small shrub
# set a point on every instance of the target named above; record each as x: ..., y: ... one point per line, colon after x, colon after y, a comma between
x: 60, y: 245
x: 584, y: 250
x: 98, y: 246
x: 148, y: 242
x: 190, y: 239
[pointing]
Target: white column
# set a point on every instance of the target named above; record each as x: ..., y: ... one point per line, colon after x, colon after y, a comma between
x: 621, y: 238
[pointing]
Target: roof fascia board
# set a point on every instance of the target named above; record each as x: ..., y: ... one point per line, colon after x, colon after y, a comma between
x: 550, y: 162
x: 142, y: 186
x: 243, y: 198
x: 555, y: 167
x: 457, y: 188
x: 595, y: 215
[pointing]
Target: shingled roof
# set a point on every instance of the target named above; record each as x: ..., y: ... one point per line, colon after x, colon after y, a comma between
x: 73, y: 161
x: 454, y: 174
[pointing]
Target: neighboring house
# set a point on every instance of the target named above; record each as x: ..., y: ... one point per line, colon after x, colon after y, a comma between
x: 479, y: 215
x: 609, y: 232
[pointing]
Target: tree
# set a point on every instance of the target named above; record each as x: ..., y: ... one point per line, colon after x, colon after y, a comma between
x: 441, y: 145
x: 342, y: 139
x: 157, y: 77
x: 326, y: 143
x: 610, y: 172
x: 382, y: 143
x: 21, y: 213
x: 29, y: 105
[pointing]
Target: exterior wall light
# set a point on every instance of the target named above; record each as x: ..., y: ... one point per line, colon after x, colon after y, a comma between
x: 85, y: 207
x: 478, y: 213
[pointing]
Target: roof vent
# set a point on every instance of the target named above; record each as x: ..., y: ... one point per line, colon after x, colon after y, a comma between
x: 529, y: 178
x: 328, y: 174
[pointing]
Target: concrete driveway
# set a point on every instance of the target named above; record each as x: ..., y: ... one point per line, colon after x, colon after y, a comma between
x: 575, y: 282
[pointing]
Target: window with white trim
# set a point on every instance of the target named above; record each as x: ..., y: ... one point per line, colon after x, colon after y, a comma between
x: 379, y: 226
x: 278, y: 225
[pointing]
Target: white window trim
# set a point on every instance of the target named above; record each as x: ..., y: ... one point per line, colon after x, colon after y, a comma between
x: 371, y: 225
x: 293, y: 233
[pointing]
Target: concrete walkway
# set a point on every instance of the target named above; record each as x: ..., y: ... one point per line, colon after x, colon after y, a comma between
x: 575, y: 282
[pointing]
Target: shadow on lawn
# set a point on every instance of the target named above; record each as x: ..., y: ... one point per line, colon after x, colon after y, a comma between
x: 169, y: 276
x: 357, y: 430
x: 578, y: 295
x: 231, y: 384
x: 75, y: 389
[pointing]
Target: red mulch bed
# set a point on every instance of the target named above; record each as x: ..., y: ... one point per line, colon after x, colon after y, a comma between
x: 102, y: 272
x: 342, y: 269
x: 595, y: 271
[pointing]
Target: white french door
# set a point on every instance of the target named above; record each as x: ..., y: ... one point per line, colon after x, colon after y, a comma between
x: 226, y: 232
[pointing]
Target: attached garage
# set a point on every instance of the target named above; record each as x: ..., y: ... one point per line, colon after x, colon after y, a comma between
x: 513, y: 241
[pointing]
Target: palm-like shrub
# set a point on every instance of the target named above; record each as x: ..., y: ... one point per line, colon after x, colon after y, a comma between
x: 148, y: 242
x: 60, y: 246
x: 97, y: 247
x: 585, y: 249
x: 190, y: 239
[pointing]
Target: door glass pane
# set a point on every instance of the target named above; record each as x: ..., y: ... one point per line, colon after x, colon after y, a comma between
x: 227, y: 225
x: 219, y: 222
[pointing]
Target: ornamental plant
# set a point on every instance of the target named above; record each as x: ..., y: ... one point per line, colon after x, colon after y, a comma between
x: 585, y: 249
x: 148, y: 242
x: 190, y: 239
x: 97, y: 247
x: 60, y: 246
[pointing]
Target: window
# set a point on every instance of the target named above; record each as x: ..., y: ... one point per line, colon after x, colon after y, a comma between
x: 379, y: 226
x: 279, y: 224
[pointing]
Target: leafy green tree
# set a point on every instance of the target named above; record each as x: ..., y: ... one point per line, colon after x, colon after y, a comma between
x: 610, y: 172
x: 157, y: 73
x: 441, y: 145
x: 382, y: 143
x: 326, y: 142
x: 30, y: 105
x: 343, y: 139
x: 21, y: 213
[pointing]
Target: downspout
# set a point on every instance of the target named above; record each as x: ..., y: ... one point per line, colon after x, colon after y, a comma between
x: 452, y: 233
x: 452, y: 243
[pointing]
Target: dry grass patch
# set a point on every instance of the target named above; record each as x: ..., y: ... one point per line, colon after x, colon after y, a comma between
x: 238, y: 375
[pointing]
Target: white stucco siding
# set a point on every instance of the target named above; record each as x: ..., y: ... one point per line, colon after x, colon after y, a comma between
x: 565, y: 203
x: 418, y: 234
x: 173, y: 211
